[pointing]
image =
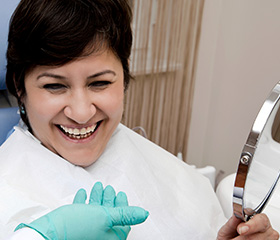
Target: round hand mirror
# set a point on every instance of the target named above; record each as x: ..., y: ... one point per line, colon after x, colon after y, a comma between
x: 259, y: 164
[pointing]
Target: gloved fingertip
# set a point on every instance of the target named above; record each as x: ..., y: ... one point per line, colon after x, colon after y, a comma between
x: 121, y: 200
x: 139, y: 215
x: 147, y: 214
x: 98, y: 185
x: 109, y: 196
x: 96, y: 194
x: 109, y: 190
x: 80, y: 196
x: 128, y: 215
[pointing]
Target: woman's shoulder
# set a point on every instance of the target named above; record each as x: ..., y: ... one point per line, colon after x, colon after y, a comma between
x: 19, y: 138
x: 21, y: 144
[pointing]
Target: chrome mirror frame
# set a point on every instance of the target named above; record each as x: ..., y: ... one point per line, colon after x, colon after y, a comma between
x: 247, y: 156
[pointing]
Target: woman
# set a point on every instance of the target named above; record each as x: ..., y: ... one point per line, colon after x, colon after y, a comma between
x: 68, y: 68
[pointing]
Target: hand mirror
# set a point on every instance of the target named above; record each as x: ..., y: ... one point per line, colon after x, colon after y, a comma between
x: 259, y: 164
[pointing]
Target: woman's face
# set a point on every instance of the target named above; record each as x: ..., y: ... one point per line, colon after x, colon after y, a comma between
x: 74, y: 109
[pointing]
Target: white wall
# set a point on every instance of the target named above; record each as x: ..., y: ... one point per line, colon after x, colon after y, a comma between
x: 239, y: 63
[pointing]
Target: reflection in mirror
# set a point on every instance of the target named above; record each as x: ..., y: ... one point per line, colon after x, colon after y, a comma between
x: 258, y: 170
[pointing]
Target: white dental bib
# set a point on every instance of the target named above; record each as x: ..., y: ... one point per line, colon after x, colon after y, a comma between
x: 181, y: 202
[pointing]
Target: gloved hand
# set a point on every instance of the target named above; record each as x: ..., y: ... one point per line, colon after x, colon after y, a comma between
x: 107, y: 216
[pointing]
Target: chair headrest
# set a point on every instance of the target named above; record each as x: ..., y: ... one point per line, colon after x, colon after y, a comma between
x: 6, y: 10
x: 8, y: 119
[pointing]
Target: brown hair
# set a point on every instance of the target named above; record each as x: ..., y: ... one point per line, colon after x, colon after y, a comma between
x: 55, y: 32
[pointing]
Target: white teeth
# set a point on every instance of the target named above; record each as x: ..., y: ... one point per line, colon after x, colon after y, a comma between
x: 77, y: 132
x: 83, y: 131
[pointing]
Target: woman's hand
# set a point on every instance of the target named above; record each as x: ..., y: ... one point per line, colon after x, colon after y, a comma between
x: 256, y: 228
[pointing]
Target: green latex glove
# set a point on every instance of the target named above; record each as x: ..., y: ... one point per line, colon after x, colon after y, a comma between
x: 107, y: 217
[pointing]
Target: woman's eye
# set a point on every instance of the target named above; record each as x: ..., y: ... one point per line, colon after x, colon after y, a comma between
x: 54, y: 86
x: 100, y: 84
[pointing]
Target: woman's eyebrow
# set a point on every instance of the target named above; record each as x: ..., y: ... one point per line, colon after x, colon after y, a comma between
x: 102, y: 73
x: 46, y: 74
x: 50, y: 75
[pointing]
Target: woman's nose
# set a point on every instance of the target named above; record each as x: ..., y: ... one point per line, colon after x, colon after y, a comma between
x: 80, y: 108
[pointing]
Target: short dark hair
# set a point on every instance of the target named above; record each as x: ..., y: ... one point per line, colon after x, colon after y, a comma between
x: 55, y: 32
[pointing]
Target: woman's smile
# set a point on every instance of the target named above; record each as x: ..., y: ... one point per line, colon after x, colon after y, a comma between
x: 79, y: 133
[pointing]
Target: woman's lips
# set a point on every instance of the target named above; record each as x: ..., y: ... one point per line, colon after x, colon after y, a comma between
x: 79, y: 133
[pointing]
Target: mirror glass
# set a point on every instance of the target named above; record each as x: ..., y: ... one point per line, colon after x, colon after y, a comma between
x: 259, y: 164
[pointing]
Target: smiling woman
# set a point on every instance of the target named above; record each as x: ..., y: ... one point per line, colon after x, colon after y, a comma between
x: 74, y: 108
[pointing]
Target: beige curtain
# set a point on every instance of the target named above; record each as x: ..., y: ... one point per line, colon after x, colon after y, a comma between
x: 163, y: 62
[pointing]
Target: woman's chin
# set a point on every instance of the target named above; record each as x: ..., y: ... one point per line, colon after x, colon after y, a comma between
x: 82, y: 160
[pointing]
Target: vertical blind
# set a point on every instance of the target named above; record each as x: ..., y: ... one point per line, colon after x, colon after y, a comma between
x: 163, y: 63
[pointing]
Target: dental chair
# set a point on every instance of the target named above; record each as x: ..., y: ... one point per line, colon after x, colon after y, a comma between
x: 8, y: 115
